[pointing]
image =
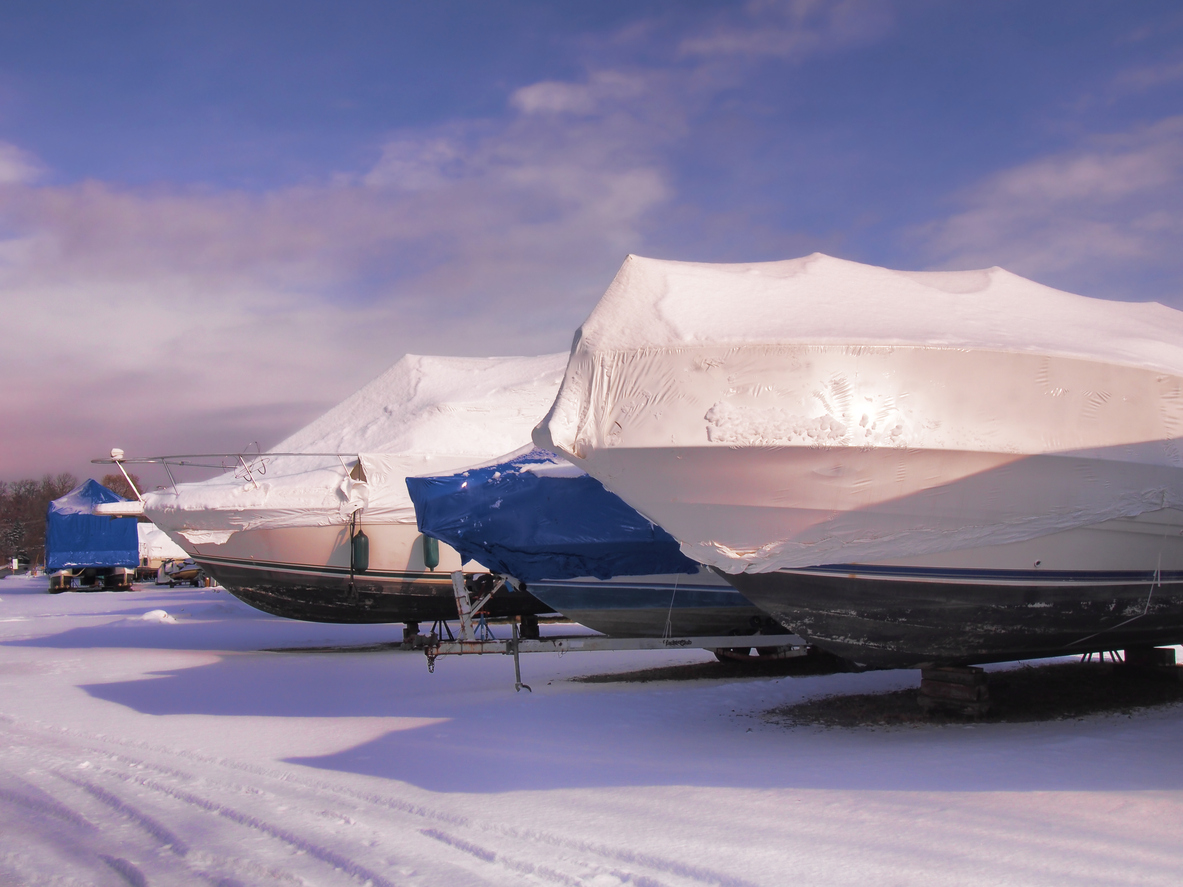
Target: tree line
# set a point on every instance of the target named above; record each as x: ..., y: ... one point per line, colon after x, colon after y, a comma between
x: 23, y: 506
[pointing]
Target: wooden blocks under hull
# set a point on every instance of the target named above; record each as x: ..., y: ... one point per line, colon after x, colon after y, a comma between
x: 959, y: 690
x: 1149, y: 662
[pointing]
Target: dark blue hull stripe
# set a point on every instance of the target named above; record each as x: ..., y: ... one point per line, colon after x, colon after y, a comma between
x: 315, y: 570
x: 992, y: 577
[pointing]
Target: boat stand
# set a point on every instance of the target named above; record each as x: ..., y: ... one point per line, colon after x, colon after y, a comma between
x: 470, y: 640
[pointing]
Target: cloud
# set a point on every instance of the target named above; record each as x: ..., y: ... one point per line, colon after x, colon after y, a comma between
x: 791, y: 28
x: 187, y: 319
x: 17, y: 166
x: 417, y: 164
x: 1090, y: 218
x: 153, y: 318
x: 1143, y: 78
x: 589, y: 97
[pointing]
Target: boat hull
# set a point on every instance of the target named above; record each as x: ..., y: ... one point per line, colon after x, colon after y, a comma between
x: 320, y: 595
x: 654, y: 606
x: 303, y: 573
x: 1111, y: 586
x: 897, y: 623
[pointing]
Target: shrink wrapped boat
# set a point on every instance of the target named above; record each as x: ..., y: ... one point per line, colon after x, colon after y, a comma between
x: 900, y: 466
x: 322, y: 529
x: 580, y: 549
x: 84, y: 548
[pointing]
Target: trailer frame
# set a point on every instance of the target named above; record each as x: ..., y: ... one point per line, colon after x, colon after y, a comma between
x: 475, y: 638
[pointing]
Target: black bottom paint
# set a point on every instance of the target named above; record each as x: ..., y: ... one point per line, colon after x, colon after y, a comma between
x: 898, y: 623
x: 316, y: 598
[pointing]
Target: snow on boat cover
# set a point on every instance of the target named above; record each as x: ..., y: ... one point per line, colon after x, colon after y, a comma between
x: 817, y: 411
x: 423, y: 414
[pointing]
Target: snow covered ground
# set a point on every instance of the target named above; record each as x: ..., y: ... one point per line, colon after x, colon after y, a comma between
x: 143, y: 748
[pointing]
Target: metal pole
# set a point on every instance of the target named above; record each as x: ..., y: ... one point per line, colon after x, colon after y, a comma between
x: 463, y: 606
x: 517, y: 665
x: 127, y: 477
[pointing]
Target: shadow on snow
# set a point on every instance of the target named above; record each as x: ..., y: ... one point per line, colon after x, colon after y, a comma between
x: 704, y: 734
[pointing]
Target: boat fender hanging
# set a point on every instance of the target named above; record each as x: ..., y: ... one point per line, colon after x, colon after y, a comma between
x: 431, y: 552
x: 361, y: 552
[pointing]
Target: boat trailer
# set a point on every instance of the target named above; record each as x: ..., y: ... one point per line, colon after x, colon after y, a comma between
x: 476, y: 637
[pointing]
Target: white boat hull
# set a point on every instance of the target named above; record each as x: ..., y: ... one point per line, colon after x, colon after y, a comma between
x: 304, y: 573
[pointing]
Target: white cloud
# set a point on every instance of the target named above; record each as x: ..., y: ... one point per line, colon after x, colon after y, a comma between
x: 792, y: 28
x: 151, y: 319
x: 1143, y: 78
x: 188, y: 319
x: 418, y: 164
x: 602, y: 88
x: 1084, y: 218
x: 17, y: 166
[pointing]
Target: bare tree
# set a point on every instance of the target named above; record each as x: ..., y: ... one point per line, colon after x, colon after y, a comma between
x: 23, y: 506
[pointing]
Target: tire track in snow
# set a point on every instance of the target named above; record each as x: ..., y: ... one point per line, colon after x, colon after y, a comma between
x: 70, y: 839
x: 528, y: 868
x: 654, y: 863
x: 195, y: 861
x: 286, y: 776
x: 102, y: 744
x: 85, y: 745
x: 330, y: 857
x: 161, y: 833
x: 125, y: 870
x: 631, y: 857
x: 46, y: 806
x: 317, y: 787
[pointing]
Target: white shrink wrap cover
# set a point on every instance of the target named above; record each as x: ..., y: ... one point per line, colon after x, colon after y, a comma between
x: 817, y: 411
x: 155, y: 545
x: 424, y: 414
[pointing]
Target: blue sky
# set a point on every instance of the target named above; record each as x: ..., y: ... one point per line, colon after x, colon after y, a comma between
x: 217, y: 219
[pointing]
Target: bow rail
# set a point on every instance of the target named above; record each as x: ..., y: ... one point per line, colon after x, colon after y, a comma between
x: 248, y: 464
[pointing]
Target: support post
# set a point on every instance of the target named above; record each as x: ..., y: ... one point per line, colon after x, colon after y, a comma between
x: 517, y: 664
x: 463, y: 606
x: 410, y: 633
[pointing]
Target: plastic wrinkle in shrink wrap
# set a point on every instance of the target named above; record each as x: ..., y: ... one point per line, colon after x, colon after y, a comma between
x: 817, y: 411
x: 425, y: 414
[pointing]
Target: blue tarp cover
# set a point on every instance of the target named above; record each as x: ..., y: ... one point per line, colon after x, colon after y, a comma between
x: 76, y: 538
x: 537, y: 516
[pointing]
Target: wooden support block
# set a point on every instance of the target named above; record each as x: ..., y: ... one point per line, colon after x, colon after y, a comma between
x: 1150, y: 657
x: 954, y: 674
x: 954, y: 689
x: 966, y: 709
x: 947, y: 690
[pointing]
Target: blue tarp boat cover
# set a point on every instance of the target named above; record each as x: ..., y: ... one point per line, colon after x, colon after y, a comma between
x: 76, y: 538
x: 537, y: 516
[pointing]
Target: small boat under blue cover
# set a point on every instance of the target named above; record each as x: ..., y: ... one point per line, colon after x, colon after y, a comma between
x: 580, y: 549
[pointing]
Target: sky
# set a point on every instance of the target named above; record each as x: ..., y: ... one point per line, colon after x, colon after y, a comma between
x: 219, y: 219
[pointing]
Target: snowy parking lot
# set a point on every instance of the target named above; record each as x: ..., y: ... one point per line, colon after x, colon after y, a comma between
x: 155, y: 737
